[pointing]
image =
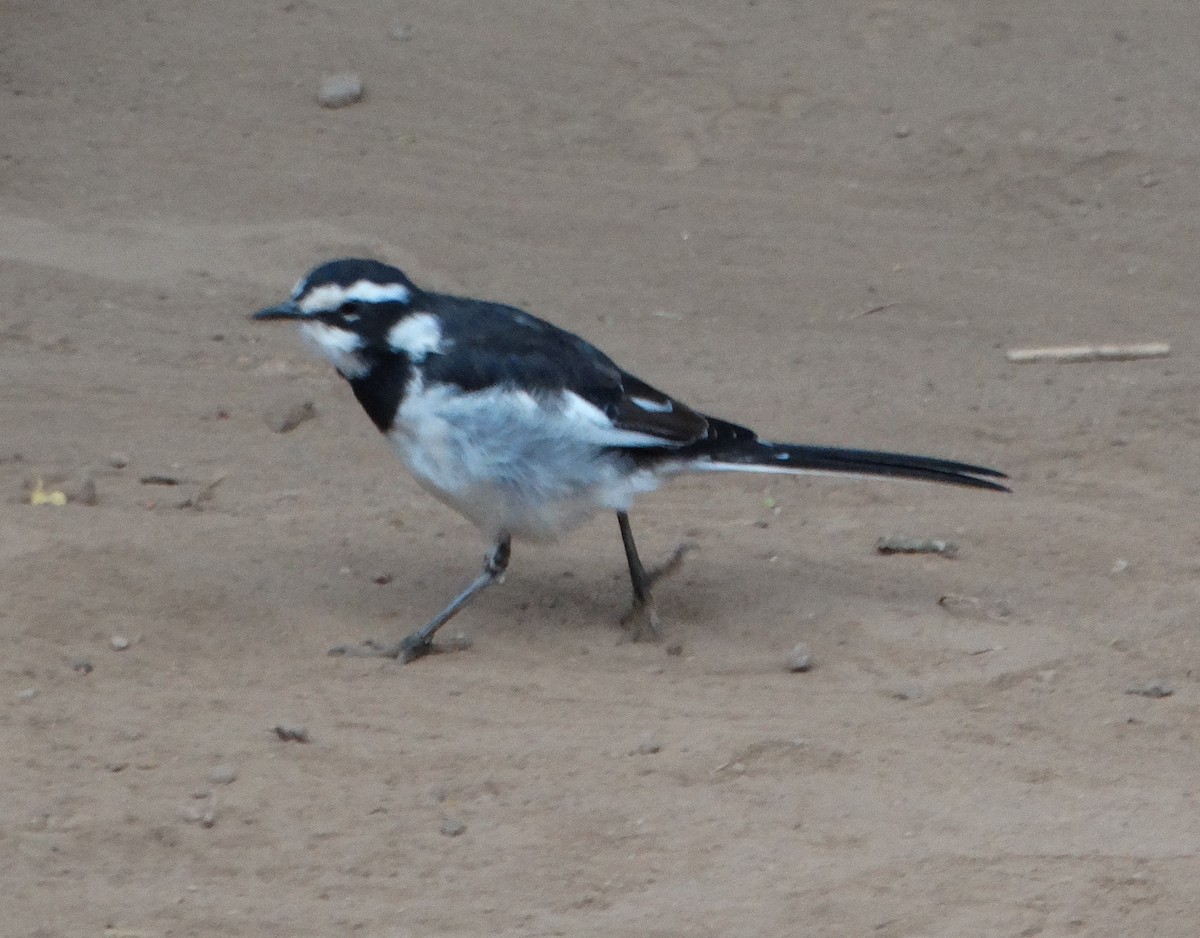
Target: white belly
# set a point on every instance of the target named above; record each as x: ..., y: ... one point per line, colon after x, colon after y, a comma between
x: 511, y: 464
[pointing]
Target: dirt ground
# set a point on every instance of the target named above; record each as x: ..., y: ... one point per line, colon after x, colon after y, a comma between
x: 826, y: 220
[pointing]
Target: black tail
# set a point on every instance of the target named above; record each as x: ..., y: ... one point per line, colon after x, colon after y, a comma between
x: 729, y: 447
x: 759, y: 456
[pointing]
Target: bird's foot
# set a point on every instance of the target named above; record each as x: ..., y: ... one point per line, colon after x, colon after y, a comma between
x: 641, y: 619
x: 642, y: 622
x: 671, y: 567
x: 408, y: 649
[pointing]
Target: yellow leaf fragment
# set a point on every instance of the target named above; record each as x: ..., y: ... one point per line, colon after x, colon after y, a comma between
x: 41, y: 496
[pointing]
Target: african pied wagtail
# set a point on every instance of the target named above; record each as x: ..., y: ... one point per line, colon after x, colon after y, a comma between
x: 526, y: 429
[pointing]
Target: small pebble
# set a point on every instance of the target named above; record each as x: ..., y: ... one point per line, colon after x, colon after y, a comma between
x: 1154, y: 689
x: 285, y: 416
x: 82, y: 665
x: 87, y: 494
x: 799, y: 658
x: 155, y: 478
x: 975, y: 607
x: 915, y: 545
x: 340, y: 90
x: 118, y: 642
x: 222, y: 775
x: 647, y: 745
x: 902, y: 131
x: 27, y: 694
x: 402, y: 32
x: 291, y: 734
x: 452, y: 827
x: 905, y: 690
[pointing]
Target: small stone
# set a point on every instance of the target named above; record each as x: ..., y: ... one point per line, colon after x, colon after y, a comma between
x: 902, y: 131
x: 905, y: 690
x: 437, y: 794
x: 975, y: 607
x: 1148, y: 180
x: 401, y: 32
x: 286, y: 416
x: 27, y: 694
x: 87, y: 494
x: 340, y: 90
x: 118, y: 642
x: 1154, y: 689
x: 82, y: 665
x: 222, y: 775
x: 117, y: 766
x: 452, y: 827
x: 799, y: 658
x: 291, y: 734
x: 647, y: 745
x: 915, y: 545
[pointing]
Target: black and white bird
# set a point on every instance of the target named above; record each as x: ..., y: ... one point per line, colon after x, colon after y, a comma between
x: 528, y: 430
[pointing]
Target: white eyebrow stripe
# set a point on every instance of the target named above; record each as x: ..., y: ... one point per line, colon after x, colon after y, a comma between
x: 417, y: 336
x: 364, y: 291
x: 330, y: 296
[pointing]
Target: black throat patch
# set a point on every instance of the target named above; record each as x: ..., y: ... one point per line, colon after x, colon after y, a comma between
x: 381, y: 389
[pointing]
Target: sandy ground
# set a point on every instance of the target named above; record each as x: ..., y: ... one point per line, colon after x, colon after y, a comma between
x: 827, y: 220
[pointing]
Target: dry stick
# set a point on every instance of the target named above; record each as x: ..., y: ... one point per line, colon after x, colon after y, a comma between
x: 1089, y: 353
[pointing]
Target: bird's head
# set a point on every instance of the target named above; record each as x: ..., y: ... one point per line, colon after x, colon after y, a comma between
x: 348, y: 307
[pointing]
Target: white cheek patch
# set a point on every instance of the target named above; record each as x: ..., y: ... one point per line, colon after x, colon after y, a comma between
x: 324, y: 299
x: 364, y: 291
x: 417, y: 337
x: 340, y: 346
x: 330, y: 296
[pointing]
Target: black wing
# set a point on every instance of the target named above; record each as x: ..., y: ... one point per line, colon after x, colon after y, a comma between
x: 498, y: 345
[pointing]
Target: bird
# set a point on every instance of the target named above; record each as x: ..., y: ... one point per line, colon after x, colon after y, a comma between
x: 528, y: 430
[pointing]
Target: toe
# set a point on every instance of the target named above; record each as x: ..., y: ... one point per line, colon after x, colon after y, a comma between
x: 643, y: 622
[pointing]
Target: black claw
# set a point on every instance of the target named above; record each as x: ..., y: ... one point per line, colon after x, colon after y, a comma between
x: 412, y: 648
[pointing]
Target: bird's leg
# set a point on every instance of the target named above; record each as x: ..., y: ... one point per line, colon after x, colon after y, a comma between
x: 420, y: 642
x: 642, y: 618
